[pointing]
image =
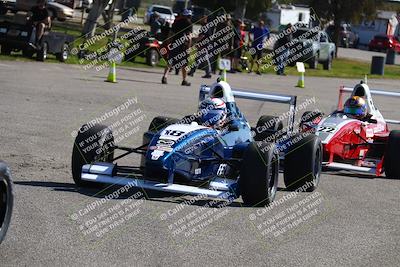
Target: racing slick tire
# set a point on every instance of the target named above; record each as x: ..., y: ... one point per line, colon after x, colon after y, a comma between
x: 267, y: 128
x: 258, y: 180
x: 91, y: 144
x: 161, y: 122
x: 303, y: 162
x: 157, y: 124
x: 6, y: 199
x: 392, y: 155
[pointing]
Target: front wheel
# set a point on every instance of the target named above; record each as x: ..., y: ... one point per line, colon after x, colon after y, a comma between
x: 313, y: 62
x: 303, y: 162
x: 92, y: 144
x: 328, y: 64
x: 258, y: 180
x: 6, y: 199
x: 152, y: 57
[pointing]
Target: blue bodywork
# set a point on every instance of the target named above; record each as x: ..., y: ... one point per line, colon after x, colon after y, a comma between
x: 197, y: 156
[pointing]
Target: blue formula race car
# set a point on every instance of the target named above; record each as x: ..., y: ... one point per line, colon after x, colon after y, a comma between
x: 199, y: 155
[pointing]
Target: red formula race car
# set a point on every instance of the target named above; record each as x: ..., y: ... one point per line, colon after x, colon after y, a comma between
x: 361, y: 145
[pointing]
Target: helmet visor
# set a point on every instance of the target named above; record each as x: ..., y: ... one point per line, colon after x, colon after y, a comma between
x: 357, y: 111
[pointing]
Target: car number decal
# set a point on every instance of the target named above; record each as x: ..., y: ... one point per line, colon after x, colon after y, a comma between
x: 326, y: 129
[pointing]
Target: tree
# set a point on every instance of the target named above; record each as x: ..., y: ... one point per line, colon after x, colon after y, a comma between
x: 98, y: 8
x: 344, y: 11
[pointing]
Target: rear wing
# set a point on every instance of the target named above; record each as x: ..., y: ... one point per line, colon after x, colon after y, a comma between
x: 345, y: 89
x: 275, y: 98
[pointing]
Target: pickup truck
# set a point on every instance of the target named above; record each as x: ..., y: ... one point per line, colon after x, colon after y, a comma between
x: 312, y: 46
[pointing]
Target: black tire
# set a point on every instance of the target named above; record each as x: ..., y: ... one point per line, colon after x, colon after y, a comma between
x: 156, y: 125
x: 392, y: 156
x: 42, y: 53
x: 161, y: 122
x: 328, y: 64
x: 267, y: 128
x: 28, y: 53
x: 303, y: 162
x: 152, y: 57
x: 313, y: 64
x: 5, y: 50
x: 258, y: 180
x: 98, y: 145
x: 64, y: 54
x: 6, y: 199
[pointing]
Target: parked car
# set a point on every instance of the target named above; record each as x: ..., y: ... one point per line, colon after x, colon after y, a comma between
x: 56, y: 10
x: 15, y: 35
x: 347, y: 38
x: 165, y: 12
x: 383, y: 42
x: 312, y: 47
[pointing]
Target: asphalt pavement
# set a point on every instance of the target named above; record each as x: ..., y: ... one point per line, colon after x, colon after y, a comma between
x: 351, y: 220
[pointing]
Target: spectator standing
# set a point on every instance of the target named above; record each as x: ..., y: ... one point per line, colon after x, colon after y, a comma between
x: 129, y: 8
x: 202, y: 57
x: 260, y: 34
x: 181, y: 41
x: 282, y: 49
x: 156, y: 24
x: 238, y: 43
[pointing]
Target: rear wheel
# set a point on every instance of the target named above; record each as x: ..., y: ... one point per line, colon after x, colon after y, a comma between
x: 6, y: 199
x: 328, y: 64
x: 303, y: 162
x: 160, y: 122
x: 5, y: 50
x: 152, y: 57
x: 63, y: 55
x: 268, y: 128
x: 392, y: 155
x: 156, y: 125
x: 258, y: 180
x: 42, y: 53
x: 28, y: 53
x: 93, y: 144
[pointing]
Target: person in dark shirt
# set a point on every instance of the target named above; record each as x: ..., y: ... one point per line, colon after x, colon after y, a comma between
x: 181, y: 41
x: 282, y: 50
x: 260, y: 34
x: 40, y: 19
x: 202, y: 57
x: 156, y: 25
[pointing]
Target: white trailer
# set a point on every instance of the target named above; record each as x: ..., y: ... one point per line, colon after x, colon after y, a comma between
x: 280, y: 15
